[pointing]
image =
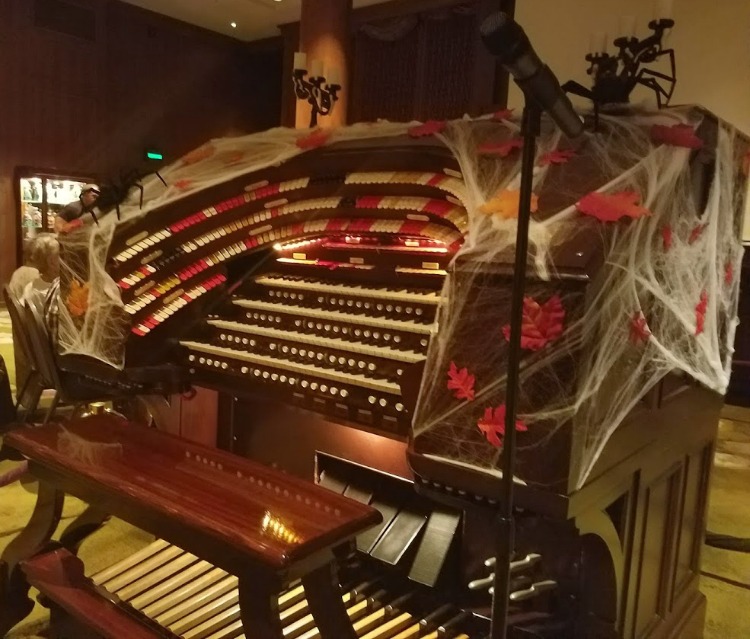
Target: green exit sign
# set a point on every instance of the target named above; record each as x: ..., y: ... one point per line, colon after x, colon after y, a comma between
x: 154, y: 155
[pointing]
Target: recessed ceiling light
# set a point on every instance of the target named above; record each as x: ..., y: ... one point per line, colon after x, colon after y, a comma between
x: 233, y: 25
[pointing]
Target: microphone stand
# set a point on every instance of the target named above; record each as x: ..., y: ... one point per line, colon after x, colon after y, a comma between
x: 530, y: 128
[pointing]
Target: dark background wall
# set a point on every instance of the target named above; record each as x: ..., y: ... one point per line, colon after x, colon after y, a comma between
x: 87, y: 84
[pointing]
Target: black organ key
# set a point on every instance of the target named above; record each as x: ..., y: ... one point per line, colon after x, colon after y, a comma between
x: 437, y: 540
x: 331, y: 482
x: 399, y: 536
x: 451, y: 628
x: 366, y: 541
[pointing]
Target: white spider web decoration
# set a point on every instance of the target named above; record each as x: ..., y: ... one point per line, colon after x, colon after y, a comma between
x: 610, y: 373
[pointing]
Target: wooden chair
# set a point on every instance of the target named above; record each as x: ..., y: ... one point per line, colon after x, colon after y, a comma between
x: 30, y: 389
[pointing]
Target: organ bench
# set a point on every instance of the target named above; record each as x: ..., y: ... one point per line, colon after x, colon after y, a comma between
x: 263, y: 526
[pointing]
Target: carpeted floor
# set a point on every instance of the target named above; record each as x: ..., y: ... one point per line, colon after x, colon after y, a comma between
x: 725, y: 579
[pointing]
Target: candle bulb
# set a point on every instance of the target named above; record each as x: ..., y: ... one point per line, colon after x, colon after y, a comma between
x: 300, y: 60
x: 598, y: 42
x: 333, y: 77
x: 316, y: 69
x: 663, y: 9
x: 627, y: 27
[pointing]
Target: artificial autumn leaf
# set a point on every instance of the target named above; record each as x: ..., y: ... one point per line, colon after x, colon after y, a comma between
x: 77, y: 301
x: 541, y: 325
x: 183, y: 185
x: 700, y: 313
x: 505, y: 204
x: 501, y: 149
x: 231, y: 157
x: 696, y: 233
x: 728, y: 273
x: 639, y: 329
x: 610, y: 207
x: 666, y: 236
x: 492, y: 425
x: 682, y: 135
x: 558, y: 156
x: 431, y: 127
x: 197, y: 155
x: 313, y: 140
x: 502, y: 114
x: 461, y: 382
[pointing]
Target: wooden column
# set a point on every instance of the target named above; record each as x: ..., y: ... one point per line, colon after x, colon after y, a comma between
x: 324, y: 35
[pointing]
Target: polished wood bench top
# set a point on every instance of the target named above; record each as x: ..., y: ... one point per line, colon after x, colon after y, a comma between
x: 236, y: 513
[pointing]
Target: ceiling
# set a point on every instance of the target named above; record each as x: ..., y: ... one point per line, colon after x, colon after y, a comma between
x: 255, y: 19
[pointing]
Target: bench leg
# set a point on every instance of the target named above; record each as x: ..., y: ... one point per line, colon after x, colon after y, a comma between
x: 326, y: 605
x: 259, y: 607
x: 14, y: 589
x: 88, y: 522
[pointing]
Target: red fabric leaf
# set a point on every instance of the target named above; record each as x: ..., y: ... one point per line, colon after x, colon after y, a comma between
x: 197, y: 155
x: 542, y: 324
x: 461, y: 382
x: 313, y: 140
x: 431, y: 127
x: 611, y: 207
x: 700, y: 312
x: 696, y: 233
x: 558, y: 156
x: 676, y: 135
x: 666, y: 236
x: 638, y: 328
x: 501, y: 149
x: 728, y: 273
x: 492, y: 425
x: 502, y: 114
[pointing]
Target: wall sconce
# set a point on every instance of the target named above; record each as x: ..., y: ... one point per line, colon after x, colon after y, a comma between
x: 319, y: 91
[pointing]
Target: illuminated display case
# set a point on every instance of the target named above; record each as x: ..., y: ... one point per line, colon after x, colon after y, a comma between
x: 40, y: 194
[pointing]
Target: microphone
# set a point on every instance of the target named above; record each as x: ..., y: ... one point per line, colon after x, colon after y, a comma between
x: 506, y: 40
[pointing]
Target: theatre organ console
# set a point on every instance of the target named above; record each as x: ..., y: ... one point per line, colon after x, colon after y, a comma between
x: 309, y: 293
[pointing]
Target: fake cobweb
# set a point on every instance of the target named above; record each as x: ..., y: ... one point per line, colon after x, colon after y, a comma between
x: 661, y: 297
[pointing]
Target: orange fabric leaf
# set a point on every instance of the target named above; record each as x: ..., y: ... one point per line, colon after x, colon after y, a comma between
x: 542, y: 323
x: 492, y: 425
x: 431, y: 127
x: 608, y: 207
x: 183, y: 185
x: 461, y: 382
x: 77, y: 301
x: 313, y: 140
x: 505, y: 204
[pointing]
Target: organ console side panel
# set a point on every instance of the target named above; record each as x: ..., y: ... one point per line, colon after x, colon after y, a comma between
x: 322, y: 297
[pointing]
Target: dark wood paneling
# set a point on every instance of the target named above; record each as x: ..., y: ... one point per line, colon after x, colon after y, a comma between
x: 90, y: 107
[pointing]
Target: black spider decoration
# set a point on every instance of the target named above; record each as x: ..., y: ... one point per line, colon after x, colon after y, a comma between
x: 114, y: 193
x: 615, y: 76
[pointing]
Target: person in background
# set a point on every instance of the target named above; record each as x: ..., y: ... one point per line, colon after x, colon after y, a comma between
x: 71, y: 216
x: 45, y: 256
